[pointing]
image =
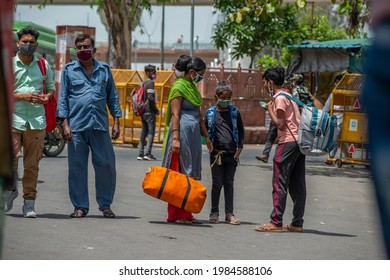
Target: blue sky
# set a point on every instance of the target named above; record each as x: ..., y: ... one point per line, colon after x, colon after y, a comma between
x: 177, y: 21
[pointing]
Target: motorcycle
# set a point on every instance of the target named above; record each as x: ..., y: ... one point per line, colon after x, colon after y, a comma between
x: 54, y: 142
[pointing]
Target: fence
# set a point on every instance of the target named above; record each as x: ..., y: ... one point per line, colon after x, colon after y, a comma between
x: 247, y: 92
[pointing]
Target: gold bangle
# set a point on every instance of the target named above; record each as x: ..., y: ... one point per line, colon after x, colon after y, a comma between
x: 174, y: 129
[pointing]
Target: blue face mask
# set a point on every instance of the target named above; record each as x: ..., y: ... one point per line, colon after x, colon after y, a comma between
x: 197, y: 78
x: 224, y: 103
x: 154, y: 76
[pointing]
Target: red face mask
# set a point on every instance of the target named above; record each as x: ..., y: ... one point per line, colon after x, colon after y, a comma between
x: 84, y: 55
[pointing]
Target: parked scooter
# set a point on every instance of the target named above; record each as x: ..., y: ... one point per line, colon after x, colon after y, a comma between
x: 54, y: 142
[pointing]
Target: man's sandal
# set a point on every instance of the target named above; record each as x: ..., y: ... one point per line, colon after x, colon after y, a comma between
x: 107, y: 212
x: 78, y: 213
x: 269, y: 228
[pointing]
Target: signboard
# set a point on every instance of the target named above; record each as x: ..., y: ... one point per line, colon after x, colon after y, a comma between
x: 353, y: 125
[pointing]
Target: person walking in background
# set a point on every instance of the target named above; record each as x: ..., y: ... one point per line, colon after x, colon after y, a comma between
x: 149, y: 117
x: 272, y: 135
x: 87, y: 88
x: 299, y: 90
x: 289, y: 162
x: 340, y: 117
x: 376, y: 99
x: 184, y: 126
x: 226, y: 131
x: 29, y: 122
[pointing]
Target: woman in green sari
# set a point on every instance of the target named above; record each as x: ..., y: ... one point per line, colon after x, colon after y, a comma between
x: 183, y: 128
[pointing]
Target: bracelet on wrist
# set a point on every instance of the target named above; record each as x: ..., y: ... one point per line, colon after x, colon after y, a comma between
x: 174, y: 129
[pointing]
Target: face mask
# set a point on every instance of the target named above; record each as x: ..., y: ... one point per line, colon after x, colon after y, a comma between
x: 27, y: 49
x: 179, y: 74
x: 224, y: 103
x: 271, y: 90
x: 197, y: 78
x: 84, y: 55
x: 153, y: 76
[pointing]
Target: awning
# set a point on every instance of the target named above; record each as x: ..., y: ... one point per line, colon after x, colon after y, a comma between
x: 329, y: 56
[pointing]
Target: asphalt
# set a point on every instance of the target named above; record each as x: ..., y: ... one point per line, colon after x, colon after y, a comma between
x: 341, y: 219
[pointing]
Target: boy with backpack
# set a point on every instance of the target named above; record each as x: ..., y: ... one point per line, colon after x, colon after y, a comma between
x: 148, y: 117
x: 226, y: 132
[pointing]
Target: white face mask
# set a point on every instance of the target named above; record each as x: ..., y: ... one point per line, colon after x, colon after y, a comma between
x: 270, y: 90
x: 179, y: 74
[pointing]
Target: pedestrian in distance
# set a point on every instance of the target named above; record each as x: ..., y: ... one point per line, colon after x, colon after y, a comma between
x: 271, y: 137
x: 87, y: 89
x: 272, y: 133
x: 29, y: 122
x: 149, y: 116
x: 226, y: 131
x: 289, y: 162
x: 299, y: 90
x: 184, y: 126
x: 340, y: 116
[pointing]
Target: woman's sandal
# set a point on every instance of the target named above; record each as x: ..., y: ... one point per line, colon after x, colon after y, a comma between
x: 293, y: 228
x: 107, y: 213
x: 78, y: 213
x: 183, y: 221
x: 214, y: 218
x: 269, y: 228
x: 196, y: 221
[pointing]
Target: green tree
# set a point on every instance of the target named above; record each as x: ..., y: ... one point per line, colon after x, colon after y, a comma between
x: 252, y: 29
x: 357, y: 11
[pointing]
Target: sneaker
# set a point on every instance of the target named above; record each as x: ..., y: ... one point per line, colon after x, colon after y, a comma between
x: 140, y: 157
x: 262, y: 158
x: 149, y: 157
x: 28, y: 209
x: 231, y: 219
x: 9, y: 199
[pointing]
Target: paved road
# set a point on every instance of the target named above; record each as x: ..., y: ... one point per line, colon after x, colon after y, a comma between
x: 341, y: 221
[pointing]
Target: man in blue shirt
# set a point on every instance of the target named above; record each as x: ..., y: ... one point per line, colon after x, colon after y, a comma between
x: 87, y: 89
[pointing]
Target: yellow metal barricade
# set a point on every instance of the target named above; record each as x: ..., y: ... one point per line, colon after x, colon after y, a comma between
x: 126, y: 81
x: 353, y: 142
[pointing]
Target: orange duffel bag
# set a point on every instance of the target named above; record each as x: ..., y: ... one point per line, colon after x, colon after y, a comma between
x: 175, y: 188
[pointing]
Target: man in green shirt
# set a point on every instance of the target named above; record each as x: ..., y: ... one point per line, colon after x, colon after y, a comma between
x: 29, y: 122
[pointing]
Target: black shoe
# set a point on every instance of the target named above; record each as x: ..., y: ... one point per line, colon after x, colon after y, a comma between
x: 140, y: 157
x: 262, y: 158
x: 149, y: 157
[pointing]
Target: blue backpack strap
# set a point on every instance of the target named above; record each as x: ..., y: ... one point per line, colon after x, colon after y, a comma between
x: 296, y: 100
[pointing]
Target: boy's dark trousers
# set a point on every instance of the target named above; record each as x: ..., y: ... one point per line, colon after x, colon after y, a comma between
x: 223, y: 175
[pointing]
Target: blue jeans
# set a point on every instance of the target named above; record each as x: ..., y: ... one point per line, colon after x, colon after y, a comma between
x: 148, y: 129
x: 103, y: 161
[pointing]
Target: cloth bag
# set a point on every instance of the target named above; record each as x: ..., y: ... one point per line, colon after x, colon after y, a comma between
x: 175, y: 188
x: 51, y: 105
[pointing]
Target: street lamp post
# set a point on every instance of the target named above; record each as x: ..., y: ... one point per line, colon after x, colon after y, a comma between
x: 192, y: 27
x: 162, y: 35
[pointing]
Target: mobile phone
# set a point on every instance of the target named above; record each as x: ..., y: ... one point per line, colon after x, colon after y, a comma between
x: 263, y: 104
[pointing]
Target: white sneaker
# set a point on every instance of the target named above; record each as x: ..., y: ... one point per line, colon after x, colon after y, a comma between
x: 9, y: 199
x: 28, y: 209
